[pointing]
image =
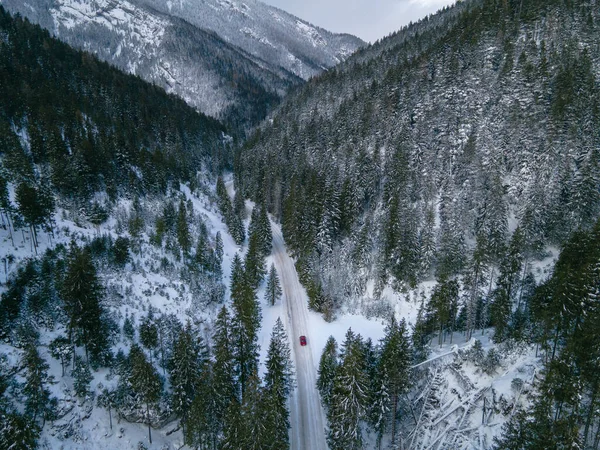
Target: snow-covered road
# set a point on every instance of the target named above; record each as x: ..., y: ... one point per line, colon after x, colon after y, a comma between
x: 306, y: 412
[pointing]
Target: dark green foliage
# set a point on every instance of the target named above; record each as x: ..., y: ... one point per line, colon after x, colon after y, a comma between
x: 128, y: 328
x: 225, y: 385
x: 349, y: 396
x: 145, y: 383
x: 507, y: 286
x: 36, y: 205
x: 273, y: 292
x: 443, y: 308
x: 92, y: 127
x: 82, y: 293
x: 149, y: 335
x: 328, y: 366
x: 203, y: 428
x: 37, y: 403
x: 18, y: 432
x: 245, y: 323
x: 430, y: 135
x: 279, y: 381
x: 394, y: 370
x: 183, y: 231
x: 121, y: 252
x: 254, y: 263
x: 185, y: 368
x: 82, y: 376
x: 232, y: 218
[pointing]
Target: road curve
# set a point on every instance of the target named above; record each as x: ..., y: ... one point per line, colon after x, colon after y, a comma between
x: 306, y: 412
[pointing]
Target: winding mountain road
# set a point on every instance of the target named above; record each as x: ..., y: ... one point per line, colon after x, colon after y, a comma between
x: 306, y: 412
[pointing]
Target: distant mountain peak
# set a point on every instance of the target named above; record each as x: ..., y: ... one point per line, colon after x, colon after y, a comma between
x: 229, y: 59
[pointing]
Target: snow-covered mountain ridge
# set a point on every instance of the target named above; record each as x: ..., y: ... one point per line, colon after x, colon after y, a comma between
x: 230, y: 61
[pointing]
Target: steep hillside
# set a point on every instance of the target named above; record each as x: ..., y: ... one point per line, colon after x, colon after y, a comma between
x: 436, y: 176
x: 268, y: 33
x: 227, y: 75
x: 458, y: 128
x: 78, y: 125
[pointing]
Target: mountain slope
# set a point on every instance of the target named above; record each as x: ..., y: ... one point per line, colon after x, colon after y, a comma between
x: 266, y: 32
x: 439, y: 171
x: 461, y: 126
x: 228, y: 81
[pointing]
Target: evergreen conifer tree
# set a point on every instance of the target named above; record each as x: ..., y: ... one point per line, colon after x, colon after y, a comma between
x: 273, y: 292
x: 183, y: 231
x: 145, y: 383
x: 349, y: 396
x: 328, y: 366
x: 35, y: 387
x: 149, y: 335
x: 82, y: 292
x: 82, y: 376
x: 394, y: 365
x: 278, y: 384
x: 225, y: 386
x: 507, y: 287
x: 185, y: 369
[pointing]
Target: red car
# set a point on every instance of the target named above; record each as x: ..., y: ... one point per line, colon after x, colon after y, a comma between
x: 302, y: 340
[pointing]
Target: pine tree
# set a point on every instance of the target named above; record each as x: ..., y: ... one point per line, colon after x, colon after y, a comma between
x: 145, y: 383
x: 394, y: 364
x: 474, y: 281
x: 234, y: 430
x: 82, y: 376
x: 35, y: 387
x: 202, y: 431
x: 185, y: 369
x: 279, y: 380
x: 225, y: 386
x: 148, y: 335
x: 219, y: 248
x: 273, y: 292
x: 254, y: 436
x: 349, y: 397
x: 507, y: 287
x: 328, y: 366
x: 128, y: 328
x: 515, y: 433
x: 82, y: 292
x: 264, y: 230
x: 444, y: 306
x: 61, y: 349
x: 183, y: 231
x: 254, y: 263
x: 245, y: 326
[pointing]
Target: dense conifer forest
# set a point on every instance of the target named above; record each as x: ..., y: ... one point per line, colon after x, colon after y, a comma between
x: 453, y: 166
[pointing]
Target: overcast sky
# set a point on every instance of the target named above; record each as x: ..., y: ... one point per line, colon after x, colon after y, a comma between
x: 367, y: 19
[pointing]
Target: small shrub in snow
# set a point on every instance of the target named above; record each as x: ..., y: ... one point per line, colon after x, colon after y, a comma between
x: 491, y: 362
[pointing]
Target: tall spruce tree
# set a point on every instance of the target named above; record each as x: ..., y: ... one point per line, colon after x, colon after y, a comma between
x: 279, y: 380
x: 82, y: 293
x: 507, y: 286
x: 349, y: 396
x: 394, y: 365
x: 145, y: 383
x: 273, y: 292
x: 224, y: 381
x: 328, y: 366
x: 36, y: 384
x: 185, y: 371
x: 245, y: 326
